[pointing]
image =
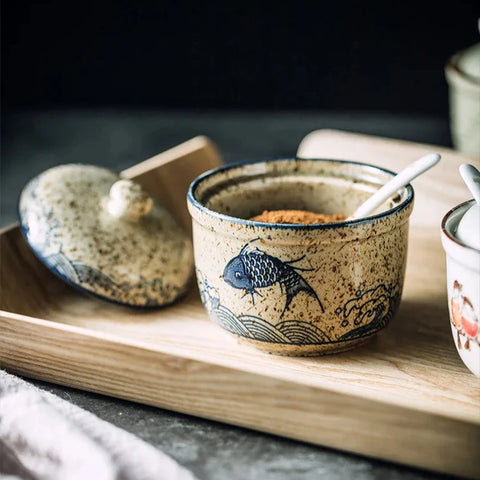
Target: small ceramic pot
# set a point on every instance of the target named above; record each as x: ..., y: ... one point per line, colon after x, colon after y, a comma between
x: 463, y: 286
x: 298, y: 289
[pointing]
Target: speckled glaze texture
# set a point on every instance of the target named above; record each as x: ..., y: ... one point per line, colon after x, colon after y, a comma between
x: 463, y: 287
x: 105, y: 235
x: 298, y: 289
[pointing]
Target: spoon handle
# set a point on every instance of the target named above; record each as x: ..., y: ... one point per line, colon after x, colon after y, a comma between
x: 471, y: 176
x: 400, y: 180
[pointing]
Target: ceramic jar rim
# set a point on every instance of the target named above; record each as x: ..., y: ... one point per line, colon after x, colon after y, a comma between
x: 194, y: 202
x: 465, y: 254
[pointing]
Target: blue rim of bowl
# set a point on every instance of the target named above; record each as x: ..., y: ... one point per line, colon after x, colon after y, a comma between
x: 448, y: 234
x: 294, y: 226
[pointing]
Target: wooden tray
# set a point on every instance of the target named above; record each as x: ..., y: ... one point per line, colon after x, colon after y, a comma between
x: 404, y: 397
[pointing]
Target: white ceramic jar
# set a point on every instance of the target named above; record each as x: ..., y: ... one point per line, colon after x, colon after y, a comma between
x: 463, y: 286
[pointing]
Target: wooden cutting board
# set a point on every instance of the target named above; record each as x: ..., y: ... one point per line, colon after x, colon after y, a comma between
x: 404, y: 397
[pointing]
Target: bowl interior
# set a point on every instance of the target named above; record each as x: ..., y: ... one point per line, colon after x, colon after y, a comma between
x: 322, y: 186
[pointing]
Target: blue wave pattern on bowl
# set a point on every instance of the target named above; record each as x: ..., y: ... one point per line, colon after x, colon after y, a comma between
x: 369, y: 311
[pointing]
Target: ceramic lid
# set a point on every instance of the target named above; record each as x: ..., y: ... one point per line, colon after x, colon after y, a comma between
x: 105, y: 235
x: 469, y: 61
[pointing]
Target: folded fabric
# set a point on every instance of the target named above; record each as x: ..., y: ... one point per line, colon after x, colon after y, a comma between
x: 43, y: 437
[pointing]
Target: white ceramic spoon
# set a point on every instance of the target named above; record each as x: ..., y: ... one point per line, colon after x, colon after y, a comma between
x: 468, y: 230
x: 398, y: 181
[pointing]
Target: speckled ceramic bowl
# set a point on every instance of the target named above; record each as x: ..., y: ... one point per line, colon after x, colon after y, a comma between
x: 298, y: 289
x: 463, y: 287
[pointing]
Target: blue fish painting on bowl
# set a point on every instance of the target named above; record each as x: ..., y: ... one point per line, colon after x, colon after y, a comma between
x: 253, y: 269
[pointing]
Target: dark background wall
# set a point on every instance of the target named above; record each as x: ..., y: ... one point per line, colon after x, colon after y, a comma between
x: 330, y: 55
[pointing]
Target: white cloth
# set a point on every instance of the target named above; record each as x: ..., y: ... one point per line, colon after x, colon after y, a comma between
x: 43, y: 437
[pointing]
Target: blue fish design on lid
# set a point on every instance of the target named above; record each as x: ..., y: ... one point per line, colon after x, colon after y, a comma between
x: 253, y: 269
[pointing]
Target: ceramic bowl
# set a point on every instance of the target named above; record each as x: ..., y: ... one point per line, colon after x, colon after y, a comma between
x: 463, y: 286
x: 298, y: 289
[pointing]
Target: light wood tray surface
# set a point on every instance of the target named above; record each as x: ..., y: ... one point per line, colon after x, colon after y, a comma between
x: 405, y: 396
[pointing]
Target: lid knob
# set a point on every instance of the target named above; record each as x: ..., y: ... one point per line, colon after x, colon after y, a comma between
x: 128, y: 200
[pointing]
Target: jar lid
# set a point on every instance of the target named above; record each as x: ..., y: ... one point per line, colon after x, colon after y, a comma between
x: 105, y: 235
x: 469, y: 61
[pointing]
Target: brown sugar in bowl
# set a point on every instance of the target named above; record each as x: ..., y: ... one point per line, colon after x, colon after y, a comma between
x: 303, y: 217
x: 298, y: 289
